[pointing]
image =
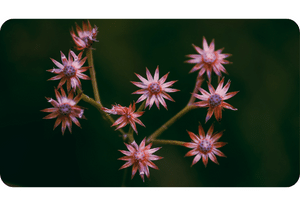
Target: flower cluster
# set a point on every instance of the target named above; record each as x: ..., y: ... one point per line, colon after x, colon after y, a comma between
x: 153, y: 89
x: 70, y: 71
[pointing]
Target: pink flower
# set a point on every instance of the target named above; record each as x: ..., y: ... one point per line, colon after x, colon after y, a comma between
x: 205, y: 146
x: 208, y: 59
x: 153, y: 89
x: 65, y: 109
x: 87, y: 36
x: 70, y: 70
x: 215, y: 99
x: 140, y: 158
x: 128, y: 116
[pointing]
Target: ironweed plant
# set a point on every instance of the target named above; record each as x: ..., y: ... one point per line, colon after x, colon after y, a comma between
x: 153, y: 89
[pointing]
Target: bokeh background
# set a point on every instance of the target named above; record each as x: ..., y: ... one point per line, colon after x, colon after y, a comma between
x: 262, y: 136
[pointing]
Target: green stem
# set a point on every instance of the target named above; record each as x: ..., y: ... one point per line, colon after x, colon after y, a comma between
x: 99, y: 107
x: 171, y: 142
x: 170, y: 122
x: 186, y: 109
x: 198, y: 84
x: 124, y: 177
x: 89, y: 54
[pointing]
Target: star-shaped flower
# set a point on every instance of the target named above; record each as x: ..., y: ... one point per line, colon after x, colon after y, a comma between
x: 87, y: 35
x: 215, y: 99
x: 140, y: 158
x: 154, y: 89
x: 65, y: 109
x: 128, y: 116
x: 208, y: 59
x: 70, y: 70
x: 204, y: 146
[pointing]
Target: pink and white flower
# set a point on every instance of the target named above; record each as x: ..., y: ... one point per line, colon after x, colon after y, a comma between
x: 86, y: 36
x: 140, y: 158
x: 128, y: 116
x: 70, y: 70
x: 208, y: 59
x: 205, y: 146
x: 215, y: 99
x: 65, y: 110
x: 154, y: 89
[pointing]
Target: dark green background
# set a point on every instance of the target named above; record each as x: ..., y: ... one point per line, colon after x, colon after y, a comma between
x: 262, y: 136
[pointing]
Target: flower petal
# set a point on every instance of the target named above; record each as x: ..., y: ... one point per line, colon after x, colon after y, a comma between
x: 193, y: 137
x: 229, y: 95
x: 228, y: 106
x: 196, y: 159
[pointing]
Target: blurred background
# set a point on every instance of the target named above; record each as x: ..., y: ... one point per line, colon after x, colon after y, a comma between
x: 262, y: 136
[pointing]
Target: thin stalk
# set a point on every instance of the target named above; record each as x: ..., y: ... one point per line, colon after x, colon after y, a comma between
x: 170, y: 122
x: 89, y: 54
x: 124, y: 177
x: 99, y: 107
x: 170, y: 142
x: 198, y: 84
x: 186, y: 109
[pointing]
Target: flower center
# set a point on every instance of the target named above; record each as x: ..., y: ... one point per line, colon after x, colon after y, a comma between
x: 154, y: 88
x: 215, y: 100
x: 205, y: 146
x: 65, y: 109
x: 69, y: 71
x: 127, y: 116
x: 139, y: 155
x: 209, y: 57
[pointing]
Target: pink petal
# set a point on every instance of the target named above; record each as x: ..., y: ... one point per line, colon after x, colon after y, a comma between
x: 162, y: 101
x: 142, y: 79
x: 202, y: 104
x: 119, y: 120
x: 205, y: 160
x: 211, y: 88
x: 128, y: 164
x: 225, y: 89
x: 229, y: 95
x: 216, y: 136
x: 196, y: 159
x: 168, y: 84
x: 140, y: 85
x: 141, y: 91
x: 219, y: 144
x: 212, y: 45
x: 163, y: 79
x: 201, y: 97
x: 57, y: 64
x: 220, y: 86
x: 190, y: 145
x: 201, y: 132
x: 51, y: 116
x: 191, y: 152
x: 218, y: 113
x: 218, y: 152
x: 228, y: 106
x: 209, y: 114
x: 149, y: 76
x: 213, y: 158
x: 196, y: 67
x: 193, y: 137
x: 210, y: 131
x: 205, y: 46
x: 156, y: 74
x: 56, y: 77
x: 57, y: 122
x: 198, y: 49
